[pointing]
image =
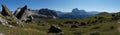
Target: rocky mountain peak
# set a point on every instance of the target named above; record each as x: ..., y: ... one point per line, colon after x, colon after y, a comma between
x: 5, y: 11
x: 21, y: 12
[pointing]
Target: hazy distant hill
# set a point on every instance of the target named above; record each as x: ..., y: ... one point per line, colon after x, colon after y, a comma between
x: 76, y: 13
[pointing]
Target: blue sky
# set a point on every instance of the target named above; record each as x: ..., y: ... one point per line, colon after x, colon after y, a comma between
x: 66, y: 5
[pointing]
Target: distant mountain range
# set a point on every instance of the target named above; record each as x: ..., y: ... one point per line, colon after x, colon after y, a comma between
x: 76, y: 13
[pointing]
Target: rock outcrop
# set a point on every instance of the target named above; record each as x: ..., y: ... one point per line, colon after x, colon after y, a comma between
x: 5, y: 11
x: 17, y: 11
x: 54, y: 29
x: 23, y: 14
x: 3, y: 21
x: 20, y: 14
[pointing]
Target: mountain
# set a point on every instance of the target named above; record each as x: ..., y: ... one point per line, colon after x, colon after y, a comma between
x: 5, y: 11
x: 43, y: 13
x: 48, y: 13
x: 76, y: 13
x: 94, y: 12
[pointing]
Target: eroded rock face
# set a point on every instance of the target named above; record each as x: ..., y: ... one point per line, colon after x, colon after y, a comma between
x: 17, y: 11
x: 5, y: 11
x: 21, y: 12
x: 54, y: 29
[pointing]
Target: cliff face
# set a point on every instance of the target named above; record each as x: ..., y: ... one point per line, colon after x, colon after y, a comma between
x: 21, y: 12
x: 5, y: 11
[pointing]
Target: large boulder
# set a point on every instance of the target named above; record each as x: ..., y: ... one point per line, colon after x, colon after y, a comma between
x: 5, y: 11
x: 21, y: 12
x: 54, y: 29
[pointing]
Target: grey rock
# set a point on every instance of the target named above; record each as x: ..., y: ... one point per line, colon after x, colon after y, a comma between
x: 5, y: 11
x: 21, y: 13
x: 3, y: 22
x: 54, y: 29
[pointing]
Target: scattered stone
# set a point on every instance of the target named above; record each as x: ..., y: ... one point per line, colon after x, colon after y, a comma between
x: 10, y: 26
x: 54, y: 29
x: 20, y: 23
